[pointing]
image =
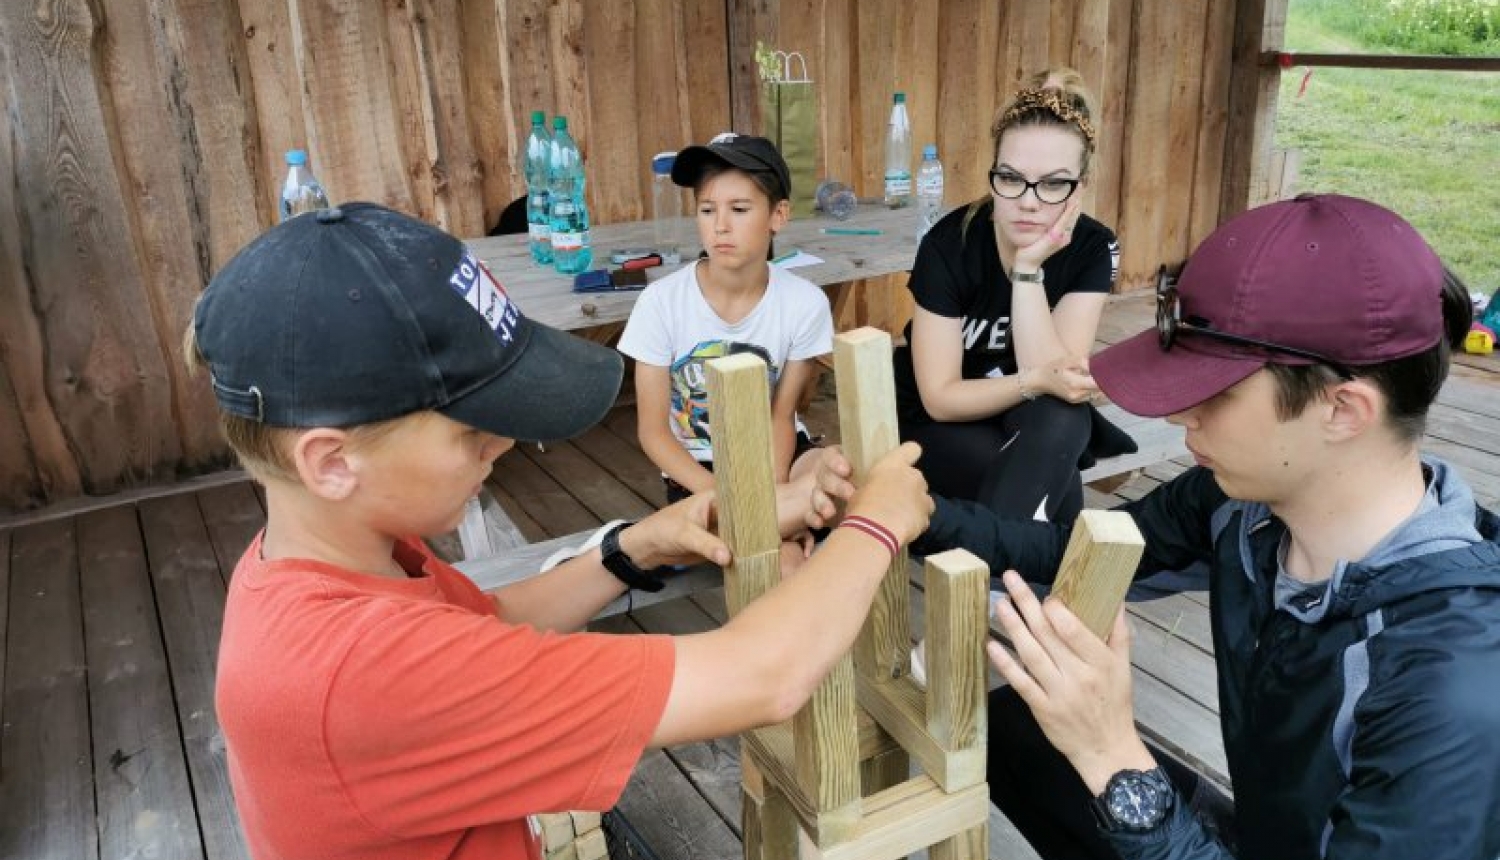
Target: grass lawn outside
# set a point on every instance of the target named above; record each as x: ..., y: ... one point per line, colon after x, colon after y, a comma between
x: 1425, y: 144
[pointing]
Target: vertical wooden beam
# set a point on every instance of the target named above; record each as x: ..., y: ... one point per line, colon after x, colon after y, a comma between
x: 957, y: 626
x: 739, y: 401
x: 767, y: 825
x: 106, y: 381
x: 868, y: 429
x: 1097, y: 567
x: 971, y: 844
x: 1213, y: 121
x: 1259, y: 25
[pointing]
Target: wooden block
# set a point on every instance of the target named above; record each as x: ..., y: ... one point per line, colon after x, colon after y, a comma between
x: 591, y: 844
x: 739, y: 406
x: 957, y: 626
x: 583, y: 822
x: 868, y: 431
x: 557, y: 830
x: 1098, y: 566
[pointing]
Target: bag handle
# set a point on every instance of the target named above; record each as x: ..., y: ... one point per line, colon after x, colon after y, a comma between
x: 786, y: 67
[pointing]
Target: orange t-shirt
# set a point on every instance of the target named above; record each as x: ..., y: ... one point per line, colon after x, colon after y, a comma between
x: 391, y: 719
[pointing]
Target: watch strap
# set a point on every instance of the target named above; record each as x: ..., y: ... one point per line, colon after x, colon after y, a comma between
x: 1027, y: 277
x: 618, y: 563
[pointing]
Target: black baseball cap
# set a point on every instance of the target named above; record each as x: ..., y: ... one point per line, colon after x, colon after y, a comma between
x: 359, y: 314
x: 745, y: 152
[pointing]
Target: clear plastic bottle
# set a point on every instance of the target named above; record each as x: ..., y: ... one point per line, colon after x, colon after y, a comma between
x: 667, y: 210
x: 929, y: 190
x: 571, y: 252
x: 538, y: 218
x: 898, y: 155
x: 301, y: 192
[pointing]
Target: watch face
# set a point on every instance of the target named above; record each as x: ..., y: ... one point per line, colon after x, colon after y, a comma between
x: 1138, y: 801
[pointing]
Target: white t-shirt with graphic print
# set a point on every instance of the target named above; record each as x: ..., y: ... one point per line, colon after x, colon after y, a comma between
x: 673, y: 326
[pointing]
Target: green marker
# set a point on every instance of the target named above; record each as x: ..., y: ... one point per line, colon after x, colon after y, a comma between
x: 851, y: 231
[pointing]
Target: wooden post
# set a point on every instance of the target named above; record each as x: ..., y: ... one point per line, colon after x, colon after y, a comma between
x: 1097, y: 567
x: 867, y: 426
x: 957, y: 627
x: 739, y: 406
x: 825, y: 736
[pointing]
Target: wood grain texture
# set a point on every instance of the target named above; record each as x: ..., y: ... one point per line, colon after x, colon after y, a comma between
x: 739, y: 402
x: 266, y: 28
x: 191, y: 219
x: 140, y: 780
x: 190, y: 598
x: 868, y: 431
x: 957, y: 625
x: 105, y: 380
x: 46, y: 800
x: 1097, y: 567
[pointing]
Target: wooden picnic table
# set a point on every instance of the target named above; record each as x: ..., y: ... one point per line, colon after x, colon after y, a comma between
x: 546, y: 296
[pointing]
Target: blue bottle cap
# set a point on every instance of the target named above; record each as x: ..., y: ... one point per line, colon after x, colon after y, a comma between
x: 560, y: 123
x: 900, y: 98
x: 661, y: 163
x: 296, y: 156
x: 930, y: 151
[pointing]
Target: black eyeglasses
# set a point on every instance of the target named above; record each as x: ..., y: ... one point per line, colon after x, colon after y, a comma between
x: 1169, y: 322
x: 1052, y: 189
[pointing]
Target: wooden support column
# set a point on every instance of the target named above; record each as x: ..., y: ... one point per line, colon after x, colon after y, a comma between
x: 867, y: 426
x: 825, y: 732
x: 1097, y: 567
x: 868, y: 429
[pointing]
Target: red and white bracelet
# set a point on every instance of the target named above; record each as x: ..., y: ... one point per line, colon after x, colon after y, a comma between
x: 875, y: 530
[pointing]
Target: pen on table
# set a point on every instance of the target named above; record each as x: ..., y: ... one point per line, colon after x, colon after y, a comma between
x: 851, y: 231
x: 784, y: 257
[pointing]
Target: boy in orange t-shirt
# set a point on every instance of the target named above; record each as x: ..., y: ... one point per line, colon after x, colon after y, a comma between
x: 375, y: 703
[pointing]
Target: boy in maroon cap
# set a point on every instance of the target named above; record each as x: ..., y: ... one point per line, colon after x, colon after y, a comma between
x: 1354, y: 582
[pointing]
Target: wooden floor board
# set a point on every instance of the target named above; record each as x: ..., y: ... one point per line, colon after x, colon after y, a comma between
x: 550, y: 504
x: 190, y: 596
x: 4, y: 621
x: 663, y: 804
x: 47, y: 790
x: 625, y: 460
x: 145, y: 802
x: 596, y: 488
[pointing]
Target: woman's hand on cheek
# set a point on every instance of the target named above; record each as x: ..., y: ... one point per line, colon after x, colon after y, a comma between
x: 1031, y: 257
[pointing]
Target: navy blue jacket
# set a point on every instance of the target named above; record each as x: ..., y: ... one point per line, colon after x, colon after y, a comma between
x: 1360, y: 720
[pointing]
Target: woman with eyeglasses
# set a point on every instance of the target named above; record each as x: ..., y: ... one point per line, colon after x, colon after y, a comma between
x: 994, y: 382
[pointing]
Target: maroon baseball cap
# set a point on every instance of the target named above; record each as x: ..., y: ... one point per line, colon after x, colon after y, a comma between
x: 1336, y: 276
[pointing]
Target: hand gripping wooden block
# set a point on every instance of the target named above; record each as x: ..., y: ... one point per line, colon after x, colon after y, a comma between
x: 1097, y: 567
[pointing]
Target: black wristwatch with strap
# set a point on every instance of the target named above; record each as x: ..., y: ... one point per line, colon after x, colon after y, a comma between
x: 619, y: 564
x: 1134, y: 801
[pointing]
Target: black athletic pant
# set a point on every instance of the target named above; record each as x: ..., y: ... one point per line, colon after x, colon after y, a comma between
x: 1046, y: 800
x: 1011, y: 462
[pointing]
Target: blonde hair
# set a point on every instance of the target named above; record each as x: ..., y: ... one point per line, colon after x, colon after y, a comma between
x: 263, y: 450
x: 1055, y: 97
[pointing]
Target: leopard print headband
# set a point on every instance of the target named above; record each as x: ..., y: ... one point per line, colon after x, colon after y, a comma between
x: 1054, y: 102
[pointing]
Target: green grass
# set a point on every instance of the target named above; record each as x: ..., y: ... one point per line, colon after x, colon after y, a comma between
x: 1425, y: 144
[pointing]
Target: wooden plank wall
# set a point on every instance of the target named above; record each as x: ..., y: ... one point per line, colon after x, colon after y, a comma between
x: 141, y: 145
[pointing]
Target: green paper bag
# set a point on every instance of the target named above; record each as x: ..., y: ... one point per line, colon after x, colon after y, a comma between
x: 789, y: 113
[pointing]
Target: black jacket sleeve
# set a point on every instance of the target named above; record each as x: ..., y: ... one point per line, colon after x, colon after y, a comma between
x: 1175, y: 519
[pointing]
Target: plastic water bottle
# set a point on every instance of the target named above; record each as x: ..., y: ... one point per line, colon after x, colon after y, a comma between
x: 667, y: 210
x: 538, y: 218
x: 571, y: 253
x: 929, y: 190
x: 301, y: 192
x: 898, y: 155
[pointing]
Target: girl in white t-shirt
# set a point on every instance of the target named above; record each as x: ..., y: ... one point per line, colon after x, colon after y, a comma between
x: 727, y: 302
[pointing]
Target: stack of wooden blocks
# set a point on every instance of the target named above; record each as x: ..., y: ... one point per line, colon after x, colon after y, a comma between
x: 572, y: 836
